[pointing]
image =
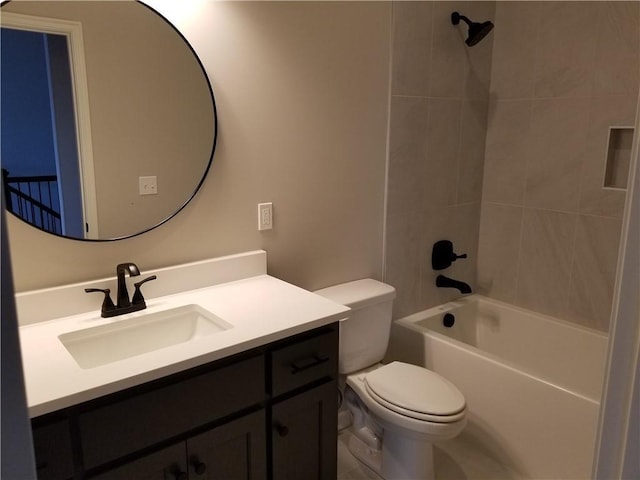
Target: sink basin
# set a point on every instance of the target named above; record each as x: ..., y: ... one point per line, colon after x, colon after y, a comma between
x: 93, y: 347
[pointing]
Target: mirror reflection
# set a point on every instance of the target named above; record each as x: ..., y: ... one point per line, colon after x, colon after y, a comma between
x: 108, y: 119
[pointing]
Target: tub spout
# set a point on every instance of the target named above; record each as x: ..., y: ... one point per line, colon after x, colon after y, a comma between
x: 446, y: 282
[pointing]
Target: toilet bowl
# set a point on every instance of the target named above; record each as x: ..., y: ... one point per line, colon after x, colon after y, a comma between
x: 398, y: 410
x: 401, y: 395
x: 408, y: 408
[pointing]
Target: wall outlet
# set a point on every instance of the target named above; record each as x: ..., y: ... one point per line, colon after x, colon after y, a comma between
x: 265, y: 216
x: 148, y: 185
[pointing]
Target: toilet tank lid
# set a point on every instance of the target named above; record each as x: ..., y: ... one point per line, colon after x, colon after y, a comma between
x: 360, y: 293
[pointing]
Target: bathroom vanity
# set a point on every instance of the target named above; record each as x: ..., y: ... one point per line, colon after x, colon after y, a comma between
x: 256, y: 400
x: 266, y: 413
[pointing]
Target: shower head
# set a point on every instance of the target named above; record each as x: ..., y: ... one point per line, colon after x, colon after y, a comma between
x: 477, y: 31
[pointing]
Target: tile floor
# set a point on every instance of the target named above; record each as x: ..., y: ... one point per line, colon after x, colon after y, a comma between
x: 457, y: 459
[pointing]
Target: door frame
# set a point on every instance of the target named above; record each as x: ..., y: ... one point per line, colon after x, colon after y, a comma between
x: 618, y: 436
x: 73, y: 31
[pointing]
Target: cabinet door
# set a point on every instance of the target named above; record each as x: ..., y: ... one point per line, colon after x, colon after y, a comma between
x: 304, y: 435
x: 142, y: 420
x: 166, y: 464
x: 233, y: 451
x: 53, y: 452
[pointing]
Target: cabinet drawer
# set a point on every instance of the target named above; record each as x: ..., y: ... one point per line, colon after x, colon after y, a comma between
x: 139, y: 421
x: 304, y: 362
x: 52, y: 449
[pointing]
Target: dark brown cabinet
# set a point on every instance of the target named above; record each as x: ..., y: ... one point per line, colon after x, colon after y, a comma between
x: 269, y: 413
x: 165, y: 464
x: 53, y: 451
x: 233, y: 451
x: 304, y: 435
x: 132, y: 423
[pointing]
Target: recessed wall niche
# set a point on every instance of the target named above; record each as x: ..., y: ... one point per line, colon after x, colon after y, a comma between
x: 619, y: 146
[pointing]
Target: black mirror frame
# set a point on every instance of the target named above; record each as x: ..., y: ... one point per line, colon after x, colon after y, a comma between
x: 206, y: 170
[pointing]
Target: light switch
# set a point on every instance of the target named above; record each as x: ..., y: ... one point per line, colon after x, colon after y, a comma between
x: 148, y: 185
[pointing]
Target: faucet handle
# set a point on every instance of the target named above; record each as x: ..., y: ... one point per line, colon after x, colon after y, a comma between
x: 137, y: 298
x: 442, y: 255
x: 107, y: 303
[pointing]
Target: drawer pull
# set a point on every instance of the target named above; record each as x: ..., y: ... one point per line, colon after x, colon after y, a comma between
x: 306, y: 364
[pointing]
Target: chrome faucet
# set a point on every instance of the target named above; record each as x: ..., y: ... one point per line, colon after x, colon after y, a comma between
x: 124, y: 305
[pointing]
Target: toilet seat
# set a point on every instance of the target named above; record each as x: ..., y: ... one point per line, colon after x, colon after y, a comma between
x: 416, y: 393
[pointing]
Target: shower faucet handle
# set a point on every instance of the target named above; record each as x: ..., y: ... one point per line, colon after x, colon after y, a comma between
x: 442, y: 255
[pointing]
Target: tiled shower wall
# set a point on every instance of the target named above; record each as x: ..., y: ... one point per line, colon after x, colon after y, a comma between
x: 553, y: 77
x: 439, y: 104
x: 562, y: 74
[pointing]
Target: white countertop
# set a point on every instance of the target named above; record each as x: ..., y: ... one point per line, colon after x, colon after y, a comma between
x: 261, y: 309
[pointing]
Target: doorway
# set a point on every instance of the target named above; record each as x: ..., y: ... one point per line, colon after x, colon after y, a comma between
x: 39, y: 143
x: 47, y: 159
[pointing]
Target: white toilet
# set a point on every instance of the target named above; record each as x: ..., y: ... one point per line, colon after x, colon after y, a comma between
x: 397, y: 410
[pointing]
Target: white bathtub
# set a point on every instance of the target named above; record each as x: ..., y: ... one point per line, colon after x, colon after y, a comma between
x: 532, y: 382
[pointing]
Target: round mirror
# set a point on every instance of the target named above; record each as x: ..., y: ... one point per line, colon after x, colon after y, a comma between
x: 108, y: 118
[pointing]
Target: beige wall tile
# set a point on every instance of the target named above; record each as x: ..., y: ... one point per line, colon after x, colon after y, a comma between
x: 514, y: 49
x: 449, y: 52
x: 407, y: 175
x: 556, y: 149
x: 445, y: 183
x: 584, y: 62
x: 545, y: 261
x: 565, y: 49
x: 543, y: 154
x: 411, y: 62
x: 403, y: 256
x: 506, y: 151
x: 443, y: 146
x: 479, y: 57
x: 593, y: 271
x: 472, y: 147
x: 617, y: 48
x: 433, y: 228
x: 478, y: 73
x: 498, y: 250
x: 544, y: 151
x: 605, y: 112
x: 459, y: 224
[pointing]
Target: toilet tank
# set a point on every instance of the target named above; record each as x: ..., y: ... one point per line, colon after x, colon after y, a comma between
x: 364, y: 335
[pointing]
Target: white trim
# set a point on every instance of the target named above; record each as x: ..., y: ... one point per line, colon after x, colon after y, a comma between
x: 613, y: 450
x: 73, y: 31
x: 54, y: 137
